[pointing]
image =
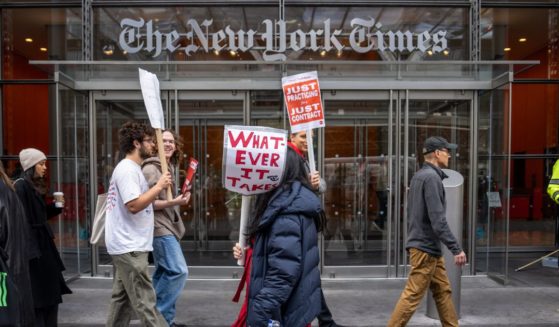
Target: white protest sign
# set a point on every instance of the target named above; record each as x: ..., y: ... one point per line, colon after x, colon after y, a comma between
x: 253, y: 158
x: 303, y: 101
x: 152, y: 98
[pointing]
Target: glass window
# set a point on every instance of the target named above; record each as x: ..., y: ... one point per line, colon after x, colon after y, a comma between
x: 266, y: 109
x: 514, y: 34
x: 352, y: 33
x: 39, y: 34
x: 27, y: 119
x: 535, y: 112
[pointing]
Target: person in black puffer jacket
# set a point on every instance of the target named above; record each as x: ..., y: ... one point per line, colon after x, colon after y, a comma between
x: 285, y: 279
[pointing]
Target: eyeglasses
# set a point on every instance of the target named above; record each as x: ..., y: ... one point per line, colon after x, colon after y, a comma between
x: 444, y: 150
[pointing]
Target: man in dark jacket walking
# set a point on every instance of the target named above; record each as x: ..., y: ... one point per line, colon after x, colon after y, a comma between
x: 426, y: 230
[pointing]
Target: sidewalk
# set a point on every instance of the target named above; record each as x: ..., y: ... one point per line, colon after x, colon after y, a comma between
x: 364, y: 302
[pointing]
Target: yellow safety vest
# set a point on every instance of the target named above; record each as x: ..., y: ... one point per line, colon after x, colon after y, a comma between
x: 553, y: 187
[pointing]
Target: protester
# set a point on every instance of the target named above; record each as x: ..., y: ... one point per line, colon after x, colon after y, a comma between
x: 45, y: 266
x: 171, y: 271
x: 15, y: 255
x: 129, y: 228
x: 298, y: 142
x: 427, y: 228
x: 284, y: 278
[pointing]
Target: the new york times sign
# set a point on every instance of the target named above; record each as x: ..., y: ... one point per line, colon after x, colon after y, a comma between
x: 274, y: 40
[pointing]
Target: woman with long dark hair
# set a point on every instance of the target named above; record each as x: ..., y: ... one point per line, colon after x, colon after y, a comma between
x: 284, y: 277
x: 45, y: 267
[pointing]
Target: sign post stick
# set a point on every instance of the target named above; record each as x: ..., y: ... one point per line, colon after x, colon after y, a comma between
x: 312, y: 165
x: 245, y: 212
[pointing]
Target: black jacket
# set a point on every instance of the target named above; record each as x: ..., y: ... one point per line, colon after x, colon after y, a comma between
x: 284, y: 279
x: 14, y: 251
x: 427, y: 226
x: 47, y: 282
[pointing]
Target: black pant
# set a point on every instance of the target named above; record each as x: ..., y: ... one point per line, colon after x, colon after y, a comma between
x: 325, y: 316
x: 47, y: 316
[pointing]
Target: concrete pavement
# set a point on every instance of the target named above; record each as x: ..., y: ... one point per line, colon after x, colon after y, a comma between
x: 354, y: 302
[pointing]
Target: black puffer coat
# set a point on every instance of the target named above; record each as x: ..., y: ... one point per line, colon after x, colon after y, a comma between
x: 45, y: 270
x: 14, y: 250
x: 285, y: 280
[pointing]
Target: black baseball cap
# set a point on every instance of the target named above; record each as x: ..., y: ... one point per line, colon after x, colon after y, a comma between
x: 436, y: 143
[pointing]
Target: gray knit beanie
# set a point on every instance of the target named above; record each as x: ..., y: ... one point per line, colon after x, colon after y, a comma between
x: 30, y: 157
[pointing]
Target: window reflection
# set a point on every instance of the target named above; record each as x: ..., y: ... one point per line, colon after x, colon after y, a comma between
x: 514, y: 34
x: 39, y: 34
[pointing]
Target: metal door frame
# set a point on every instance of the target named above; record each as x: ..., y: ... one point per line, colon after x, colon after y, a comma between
x: 398, y: 129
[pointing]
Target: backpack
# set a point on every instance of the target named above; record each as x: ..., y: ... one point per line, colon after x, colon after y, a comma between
x: 98, y: 229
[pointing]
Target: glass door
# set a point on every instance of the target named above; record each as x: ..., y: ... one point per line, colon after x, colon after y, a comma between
x: 493, y: 173
x: 372, y: 146
x: 356, y: 166
x: 212, y: 216
x: 71, y: 176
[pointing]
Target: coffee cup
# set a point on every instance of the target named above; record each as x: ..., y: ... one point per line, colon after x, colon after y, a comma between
x: 58, y: 199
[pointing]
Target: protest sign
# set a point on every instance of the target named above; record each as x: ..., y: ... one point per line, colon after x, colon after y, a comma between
x: 303, y: 102
x: 152, y: 99
x: 253, y: 158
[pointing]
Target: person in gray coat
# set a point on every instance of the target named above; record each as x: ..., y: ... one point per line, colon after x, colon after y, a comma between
x: 426, y: 230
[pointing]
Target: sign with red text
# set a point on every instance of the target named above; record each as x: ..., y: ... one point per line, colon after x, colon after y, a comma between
x: 302, y: 100
x: 253, y: 158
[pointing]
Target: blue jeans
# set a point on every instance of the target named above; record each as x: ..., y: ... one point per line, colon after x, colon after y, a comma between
x: 170, y: 274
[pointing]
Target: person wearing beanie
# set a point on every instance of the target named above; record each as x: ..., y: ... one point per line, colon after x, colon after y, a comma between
x: 45, y: 265
x: 30, y: 157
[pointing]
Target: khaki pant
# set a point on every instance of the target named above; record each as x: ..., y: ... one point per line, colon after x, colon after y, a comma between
x: 426, y: 272
x: 133, y: 292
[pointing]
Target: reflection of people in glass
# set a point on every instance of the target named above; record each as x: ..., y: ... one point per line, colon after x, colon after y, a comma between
x: 381, y: 190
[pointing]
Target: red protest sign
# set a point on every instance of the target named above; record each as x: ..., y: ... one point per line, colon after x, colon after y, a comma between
x: 253, y: 158
x: 303, y: 102
x: 192, y: 167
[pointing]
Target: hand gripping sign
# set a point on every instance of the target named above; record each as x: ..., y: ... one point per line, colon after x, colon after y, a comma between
x: 304, y: 106
x: 152, y: 100
x: 253, y: 163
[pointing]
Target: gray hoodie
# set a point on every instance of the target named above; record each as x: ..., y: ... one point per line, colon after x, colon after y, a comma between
x: 427, y: 226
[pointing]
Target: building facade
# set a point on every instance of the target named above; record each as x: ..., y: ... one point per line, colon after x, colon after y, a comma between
x: 483, y: 74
